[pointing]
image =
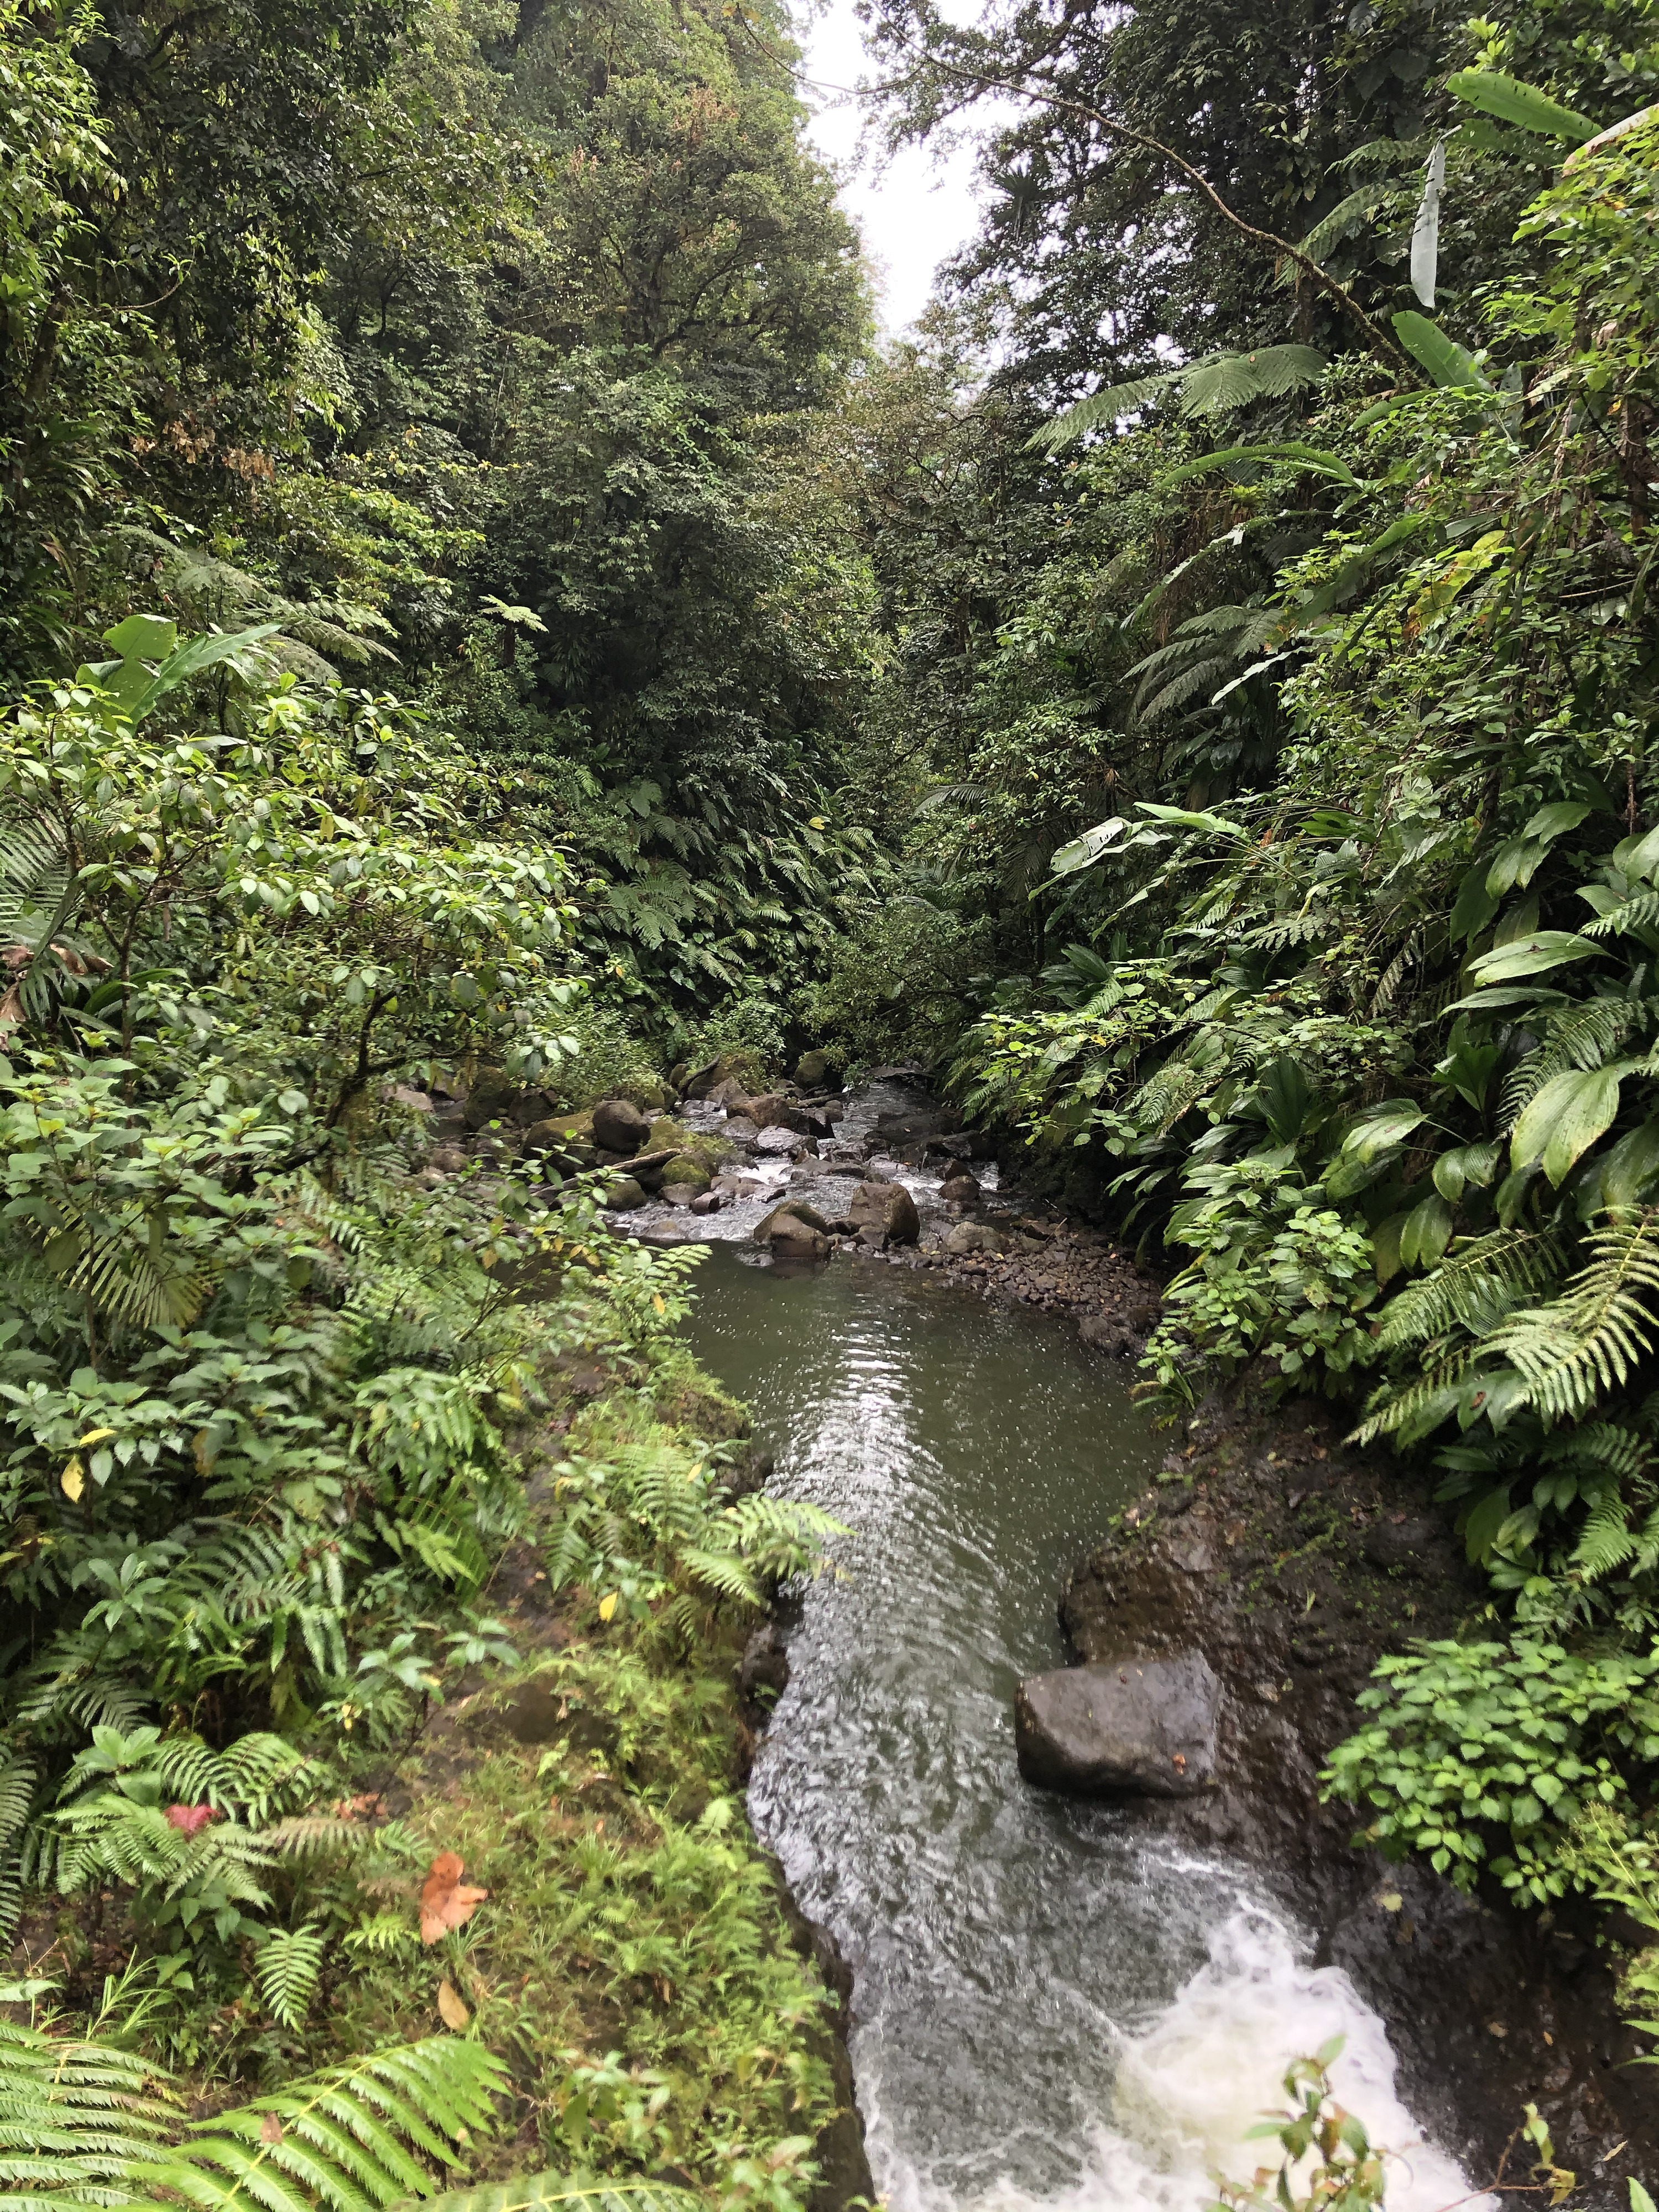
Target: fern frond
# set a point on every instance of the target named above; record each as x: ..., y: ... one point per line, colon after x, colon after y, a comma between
x: 76, y: 2118
x: 367, y: 2133
x: 589, y: 2194
x: 1592, y: 1338
x: 1606, y: 1541
x: 1472, y: 1287
x: 287, y: 1967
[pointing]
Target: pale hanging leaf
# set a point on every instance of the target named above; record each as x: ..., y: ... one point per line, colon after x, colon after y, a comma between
x: 1083, y: 852
x: 1425, y: 231
x: 451, y: 2010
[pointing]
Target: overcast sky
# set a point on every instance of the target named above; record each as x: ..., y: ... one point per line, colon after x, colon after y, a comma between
x: 913, y: 213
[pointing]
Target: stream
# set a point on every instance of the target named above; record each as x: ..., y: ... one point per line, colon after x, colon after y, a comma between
x: 1052, y: 2007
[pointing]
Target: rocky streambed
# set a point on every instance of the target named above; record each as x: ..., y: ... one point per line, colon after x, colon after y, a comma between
x: 1248, y: 1565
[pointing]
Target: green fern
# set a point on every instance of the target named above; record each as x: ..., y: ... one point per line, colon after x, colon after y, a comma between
x: 1476, y: 1282
x: 77, y: 2120
x: 287, y: 1967
x: 592, y: 2194
x: 1592, y: 1338
x: 367, y: 2133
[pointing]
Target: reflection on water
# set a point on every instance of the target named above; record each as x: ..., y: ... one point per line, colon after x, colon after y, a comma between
x: 1049, y: 2007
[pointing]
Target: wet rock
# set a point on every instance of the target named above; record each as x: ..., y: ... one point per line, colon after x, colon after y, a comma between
x: 493, y: 1097
x: 681, y: 1195
x: 772, y: 1110
x: 751, y: 1470
x: 702, y: 1082
x: 971, y: 1237
x: 739, y: 1129
x: 554, y: 1138
x: 791, y: 1209
x: 1133, y: 1727
x: 1106, y: 1333
x: 706, y: 1202
x: 960, y: 1190
x: 777, y: 1141
x: 884, y: 1213
x: 625, y: 1195
x: 683, y: 1172
x: 450, y: 1158
x: 765, y: 1663
x: 620, y: 1127
x: 792, y: 1238
x: 813, y: 1070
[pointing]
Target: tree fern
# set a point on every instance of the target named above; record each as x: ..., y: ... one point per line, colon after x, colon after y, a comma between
x: 78, y: 2119
x: 1489, y: 1272
x: 1592, y: 1338
x: 367, y: 2133
x: 287, y: 1965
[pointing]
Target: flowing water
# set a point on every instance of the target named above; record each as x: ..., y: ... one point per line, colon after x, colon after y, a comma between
x: 1052, y: 2008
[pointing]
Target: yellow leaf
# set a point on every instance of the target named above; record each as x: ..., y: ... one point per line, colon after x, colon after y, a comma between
x: 74, y: 1480
x: 452, y: 2013
x: 656, y: 1301
x: 96, y: 1437
x: 608, y: 1604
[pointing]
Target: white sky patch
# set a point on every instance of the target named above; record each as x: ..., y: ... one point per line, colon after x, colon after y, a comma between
x: 914, y: 210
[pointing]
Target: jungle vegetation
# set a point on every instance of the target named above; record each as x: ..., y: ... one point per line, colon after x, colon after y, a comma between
x: 479, y: 599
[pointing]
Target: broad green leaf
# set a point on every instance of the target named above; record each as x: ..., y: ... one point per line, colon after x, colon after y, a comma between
x: 1630, y: 1170
x: 1425, y: 1232
x: 1555, y: 820
x: 1523, y: 104
x: 1639, y: 2199
x: 1535, y: 954
x: 191, y: 659
x: 143, y: 638
x: 1565, y: 1119
x: 1451, y: 366
x: 1284, y: 1095
x: 1475, y: 905
x: 1390, y: 1123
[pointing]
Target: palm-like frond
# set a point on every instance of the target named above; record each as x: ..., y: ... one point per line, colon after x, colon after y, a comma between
x: 1592, y: 1338
x: 76, y: 2119
x: 1471, y: 1287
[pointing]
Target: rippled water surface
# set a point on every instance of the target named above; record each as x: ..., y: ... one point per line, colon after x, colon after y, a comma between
x: 1049, y: 2007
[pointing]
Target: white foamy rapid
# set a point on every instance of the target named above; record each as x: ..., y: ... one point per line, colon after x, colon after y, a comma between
x: 1180, y: 2096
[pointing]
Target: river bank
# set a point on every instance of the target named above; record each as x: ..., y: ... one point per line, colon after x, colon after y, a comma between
x: 1292, y: 1564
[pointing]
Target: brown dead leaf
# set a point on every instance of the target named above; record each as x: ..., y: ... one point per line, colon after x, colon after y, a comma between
x: 452, y: 2013
x: 271, y: 2129
x: 446, y: 1901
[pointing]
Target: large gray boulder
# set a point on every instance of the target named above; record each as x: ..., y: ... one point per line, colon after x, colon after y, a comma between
x: 1140, y: 1727
x: 884, y: 1213
x: 619, y: 1126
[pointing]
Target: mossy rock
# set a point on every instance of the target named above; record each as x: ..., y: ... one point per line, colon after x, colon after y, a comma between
x: 686, y: 1170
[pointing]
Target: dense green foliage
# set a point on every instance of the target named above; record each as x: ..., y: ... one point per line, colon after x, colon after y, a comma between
x: 477, y: 604
x: 1274, y: 765
x: 427, y: 663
